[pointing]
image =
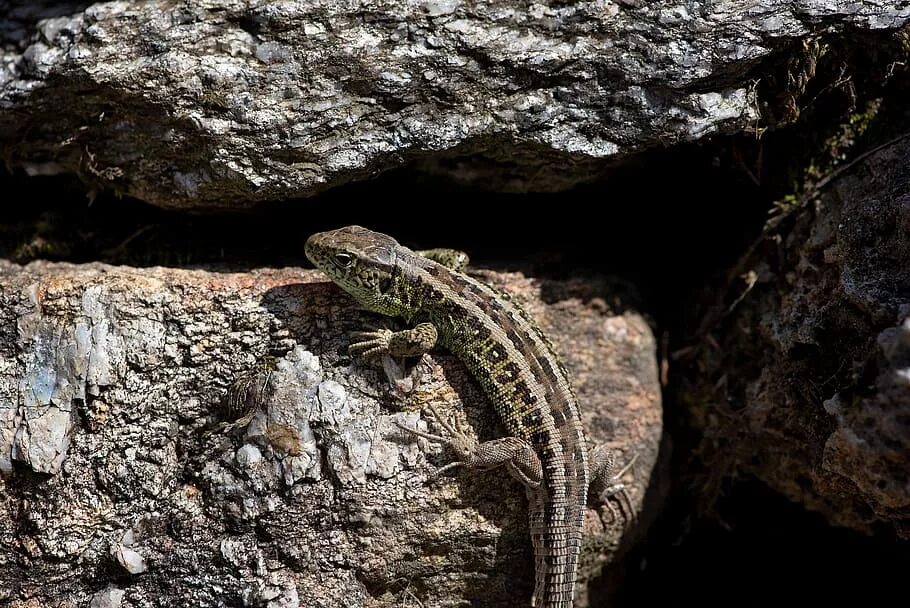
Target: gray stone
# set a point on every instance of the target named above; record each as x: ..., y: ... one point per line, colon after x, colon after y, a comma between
x: 227, y: 102
x: 131, y: 560
x: 62, y: 362
x: 248, y: 455
x: 111, y: 597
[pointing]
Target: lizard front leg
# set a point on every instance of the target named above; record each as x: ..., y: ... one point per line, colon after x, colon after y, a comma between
x: 514, y: 453
x: 405, y: 343
x: 450, y: 258
x: 409, y: 342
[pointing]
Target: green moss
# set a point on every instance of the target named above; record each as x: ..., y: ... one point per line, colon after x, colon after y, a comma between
x: 833, y: 152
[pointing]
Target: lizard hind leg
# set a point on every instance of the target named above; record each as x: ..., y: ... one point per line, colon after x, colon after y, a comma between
x: 514, y: 453
x: 606, y: 476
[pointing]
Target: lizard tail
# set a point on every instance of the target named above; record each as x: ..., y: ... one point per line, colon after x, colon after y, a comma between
x: 556, y: 538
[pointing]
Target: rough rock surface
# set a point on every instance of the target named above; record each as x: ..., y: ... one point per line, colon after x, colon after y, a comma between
x: 812, y: 369
x: 227, y: 102
x: 121, y: 488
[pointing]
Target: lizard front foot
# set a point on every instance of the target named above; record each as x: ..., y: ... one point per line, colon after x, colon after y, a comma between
x: 370, y: 344
x: 405, y: 343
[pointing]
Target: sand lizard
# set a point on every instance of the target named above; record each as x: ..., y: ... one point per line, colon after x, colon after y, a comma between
x: 515, y: 365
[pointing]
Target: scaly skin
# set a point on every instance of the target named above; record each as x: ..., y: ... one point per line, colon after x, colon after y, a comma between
x: 513, y: 362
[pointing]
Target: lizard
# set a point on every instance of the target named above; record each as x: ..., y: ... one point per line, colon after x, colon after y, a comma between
x: 516, y: 367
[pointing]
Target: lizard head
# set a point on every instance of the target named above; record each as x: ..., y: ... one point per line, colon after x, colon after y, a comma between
x: 360, y: 261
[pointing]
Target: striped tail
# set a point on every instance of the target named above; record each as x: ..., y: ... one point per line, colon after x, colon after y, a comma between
x: 556, y: 537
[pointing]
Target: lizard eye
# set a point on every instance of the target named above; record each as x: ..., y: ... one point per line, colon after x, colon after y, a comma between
x: 344, y: 260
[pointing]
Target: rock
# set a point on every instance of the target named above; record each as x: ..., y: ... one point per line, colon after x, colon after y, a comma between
x: 130, y: 560
x: 222, y: 103
x: 111, y: 597
x: 811, y: 369
x: 319, y: 499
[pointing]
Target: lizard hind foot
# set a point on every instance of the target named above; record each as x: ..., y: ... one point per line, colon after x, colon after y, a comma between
x: 625, y: 508
x: 463, y: 444
x: 607, y: 484
x: 515, y: 454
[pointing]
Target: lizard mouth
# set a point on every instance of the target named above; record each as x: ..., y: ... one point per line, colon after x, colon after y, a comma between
x: 311, y: 247
x: 320, y: 247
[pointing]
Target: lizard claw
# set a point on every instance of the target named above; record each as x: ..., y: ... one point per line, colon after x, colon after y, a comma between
x: 370, y: 343
x: 419, y: 433
x: 607, y: 479
x: 435, y: 475
x: 460, y: 442
x: 624, y: 500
